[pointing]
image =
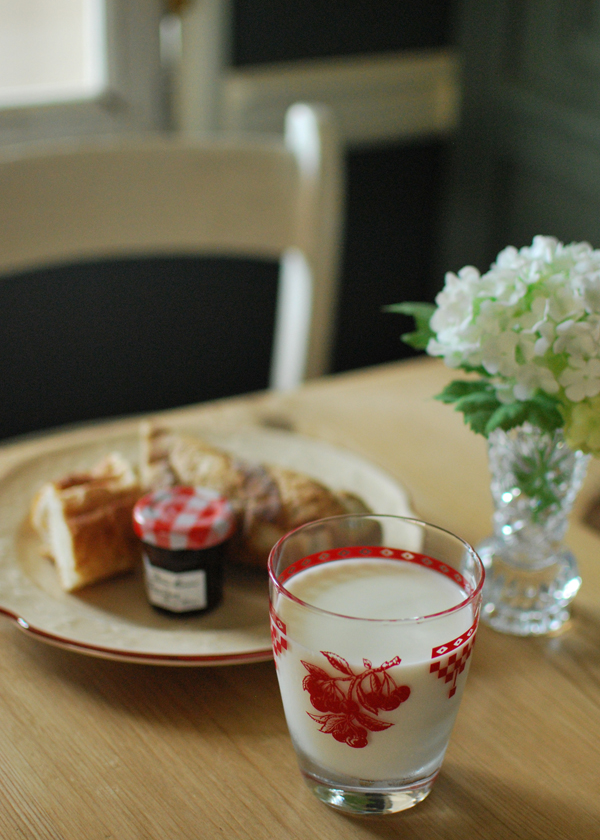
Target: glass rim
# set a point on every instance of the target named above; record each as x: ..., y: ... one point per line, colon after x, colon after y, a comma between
x: 471, y: 597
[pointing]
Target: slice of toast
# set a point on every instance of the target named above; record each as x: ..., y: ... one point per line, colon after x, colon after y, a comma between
x: 85, y: 523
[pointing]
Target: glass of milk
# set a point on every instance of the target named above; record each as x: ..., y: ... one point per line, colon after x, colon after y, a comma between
x: 373, y: 622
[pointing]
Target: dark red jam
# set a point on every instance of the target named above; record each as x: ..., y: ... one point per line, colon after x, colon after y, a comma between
x: 184, y: 531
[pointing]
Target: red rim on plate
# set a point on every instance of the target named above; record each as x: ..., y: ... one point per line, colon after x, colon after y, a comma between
x: 260, y: 655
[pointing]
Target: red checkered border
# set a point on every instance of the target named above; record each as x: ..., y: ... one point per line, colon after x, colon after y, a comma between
x: 278, y: 634
x: 450, y: 669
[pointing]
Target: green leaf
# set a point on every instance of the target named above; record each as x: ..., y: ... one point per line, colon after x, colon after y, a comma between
x: 476, y: 399
x: 545, y: 412
x: 484, y: 412
x: 470, y: 410
x: 479, y: 401
x: 479, y: 369
x: 478, y: 408
x: 507, y: 416
x: 459, y: 388
x: 542, y: 410
x: 421, y: 312
x: 478, y: 421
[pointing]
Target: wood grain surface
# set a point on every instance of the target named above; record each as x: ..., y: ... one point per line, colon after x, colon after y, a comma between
x: 97, y: 749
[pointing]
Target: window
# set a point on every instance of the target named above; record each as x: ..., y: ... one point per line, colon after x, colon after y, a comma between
x: 51, y: 52
x: 72, y: 67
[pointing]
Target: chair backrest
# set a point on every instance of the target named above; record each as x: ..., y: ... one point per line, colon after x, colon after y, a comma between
x: 246, y: 196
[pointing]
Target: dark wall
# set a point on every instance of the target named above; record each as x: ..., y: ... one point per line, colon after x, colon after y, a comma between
x: 286, y: 30
x: 527, y: 155
x: 390, y: 247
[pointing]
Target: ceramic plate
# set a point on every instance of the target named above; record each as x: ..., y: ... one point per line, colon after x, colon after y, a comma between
x: 113, y: 619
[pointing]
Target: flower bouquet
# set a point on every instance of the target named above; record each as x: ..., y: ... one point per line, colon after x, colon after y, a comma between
x: 528, y: 333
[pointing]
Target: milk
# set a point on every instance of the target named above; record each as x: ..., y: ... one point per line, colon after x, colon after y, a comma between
x: 349, y: 667
x: 377, y: 589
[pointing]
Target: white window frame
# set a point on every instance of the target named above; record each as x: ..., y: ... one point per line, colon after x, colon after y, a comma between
x: 381, y: 98
x: 134, y: 98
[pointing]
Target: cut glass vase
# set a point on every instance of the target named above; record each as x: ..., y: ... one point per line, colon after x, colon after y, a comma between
x: 531, y: 577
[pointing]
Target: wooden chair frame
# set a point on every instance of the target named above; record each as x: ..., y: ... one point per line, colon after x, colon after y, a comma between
x: 247, y: 196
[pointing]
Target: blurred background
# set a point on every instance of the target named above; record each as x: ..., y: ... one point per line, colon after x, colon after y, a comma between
x: 466, y: 126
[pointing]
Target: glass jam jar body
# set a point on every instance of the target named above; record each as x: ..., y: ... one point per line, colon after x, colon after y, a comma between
x: 184, y: 532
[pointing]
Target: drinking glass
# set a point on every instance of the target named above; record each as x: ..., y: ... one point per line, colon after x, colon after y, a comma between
x: 373, y: 621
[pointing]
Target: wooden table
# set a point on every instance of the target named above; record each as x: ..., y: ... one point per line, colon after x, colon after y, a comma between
x: 99, y: 749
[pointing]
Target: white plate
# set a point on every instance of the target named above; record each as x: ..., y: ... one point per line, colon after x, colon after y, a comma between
x: 113, y: 619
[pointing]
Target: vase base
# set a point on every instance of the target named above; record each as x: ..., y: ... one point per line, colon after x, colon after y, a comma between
x: 524, y: 600
x: 528, y: 624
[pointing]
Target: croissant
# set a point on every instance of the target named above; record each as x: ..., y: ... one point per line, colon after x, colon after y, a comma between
x: 269, y: 500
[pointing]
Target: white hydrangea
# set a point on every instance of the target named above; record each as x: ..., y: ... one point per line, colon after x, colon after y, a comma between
x: 532, y: 321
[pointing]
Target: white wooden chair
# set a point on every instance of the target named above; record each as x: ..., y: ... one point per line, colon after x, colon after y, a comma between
x: 247, y: 196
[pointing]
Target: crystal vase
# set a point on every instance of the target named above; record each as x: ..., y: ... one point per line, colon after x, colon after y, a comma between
x: 531, y: 577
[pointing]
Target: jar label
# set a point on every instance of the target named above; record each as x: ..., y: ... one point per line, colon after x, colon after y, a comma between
x: 175, y: 591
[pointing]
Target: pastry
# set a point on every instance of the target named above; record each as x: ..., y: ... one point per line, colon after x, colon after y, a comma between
x: 84, y: 521
x: 269, y: 500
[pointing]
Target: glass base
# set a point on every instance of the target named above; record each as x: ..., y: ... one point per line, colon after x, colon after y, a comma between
x: 373, y: 801
x: 522, y: 599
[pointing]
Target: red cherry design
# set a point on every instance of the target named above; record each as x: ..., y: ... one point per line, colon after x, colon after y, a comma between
x: 377, y: 690
x: 345, y: 697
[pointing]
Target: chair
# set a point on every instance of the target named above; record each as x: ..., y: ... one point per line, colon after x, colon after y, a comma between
x: 246, y: 196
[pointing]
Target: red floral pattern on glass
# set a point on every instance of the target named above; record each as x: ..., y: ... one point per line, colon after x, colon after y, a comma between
x: 348, y: 701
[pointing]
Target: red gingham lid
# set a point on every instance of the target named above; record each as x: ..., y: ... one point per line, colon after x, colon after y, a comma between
x: 183, y: 518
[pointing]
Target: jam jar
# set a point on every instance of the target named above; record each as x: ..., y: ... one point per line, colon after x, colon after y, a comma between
x: 183, y: 532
